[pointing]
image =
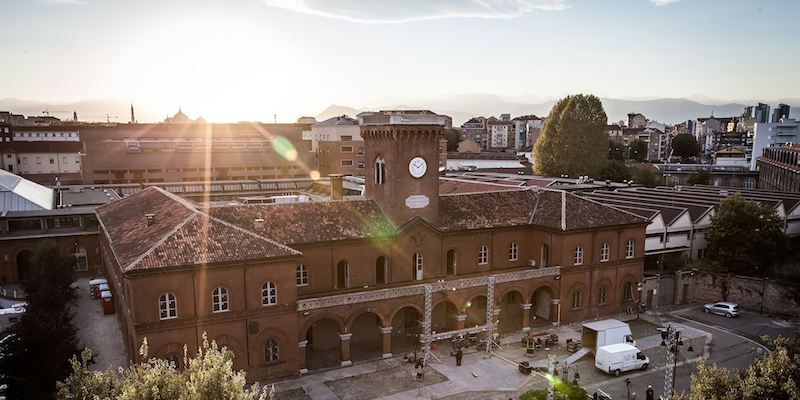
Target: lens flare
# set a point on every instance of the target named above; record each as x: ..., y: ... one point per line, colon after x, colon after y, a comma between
x: 284, y: 148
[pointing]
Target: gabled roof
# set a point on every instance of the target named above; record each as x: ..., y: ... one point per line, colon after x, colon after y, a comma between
x: 180, y: 235
x: 20, y: 194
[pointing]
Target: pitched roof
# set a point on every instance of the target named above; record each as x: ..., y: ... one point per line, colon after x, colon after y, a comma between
x: 179, y: 235
x: 311, y: 222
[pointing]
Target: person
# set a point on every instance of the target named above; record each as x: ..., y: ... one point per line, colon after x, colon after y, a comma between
x: 649, y: 393
x: 459, y: 355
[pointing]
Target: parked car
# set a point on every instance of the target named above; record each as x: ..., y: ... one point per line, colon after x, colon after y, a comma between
x: 725, y: 308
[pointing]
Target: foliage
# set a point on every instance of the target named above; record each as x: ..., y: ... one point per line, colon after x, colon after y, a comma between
x: 453, y: 136
x: 615, y: 171
x: 208, y: 375
x: 573, y: 139
x: 701, y: 177
x: 37, y: 353
x: 637, y: 150
x: 645, y: 177
x: 685, y: 145
x: 616, y: 150
x: 746, y: 238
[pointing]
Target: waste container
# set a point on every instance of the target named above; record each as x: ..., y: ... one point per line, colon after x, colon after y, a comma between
x: 102, y: 288
x: 94, y: 285
x: 108, y: 302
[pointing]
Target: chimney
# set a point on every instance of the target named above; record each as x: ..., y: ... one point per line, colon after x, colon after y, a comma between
x: 336, y: 186
x: 258, y: 223
x: 150, y: 218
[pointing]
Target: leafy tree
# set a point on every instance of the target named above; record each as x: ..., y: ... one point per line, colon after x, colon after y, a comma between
x: 453, y: 136
x: 208, y: 375
x: 685, y: 145
x: 616, y: 150
x: 573, y: 139
x: 645, y: 177
x: 41, y: 343
x: 637, y: 150
x: 745, y: 238
x: 701, y: 177
x: 615, y: 171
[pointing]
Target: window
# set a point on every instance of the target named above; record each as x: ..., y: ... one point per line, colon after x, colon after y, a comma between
x: 219, y: 299
x: 483, y: 255
x: 545, y: 256
x: 602, y: 295
x: 302, y: 275
x: 576, y: 299
x: 629, y: 249
x: 380, y: 171
x: 578, y: 255
x: 271, y: 351
x: 513, y: 252
x: 627, y: 291
x: 167, y: 306
x: 269, y: 294
x: 604, y: 252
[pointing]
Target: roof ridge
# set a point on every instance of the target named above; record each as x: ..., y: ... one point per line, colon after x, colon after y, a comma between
x: 160, y: 241
x: 230, y: 225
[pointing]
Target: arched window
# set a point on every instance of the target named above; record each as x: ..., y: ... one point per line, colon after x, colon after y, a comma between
x: 342, y: 271
x: 302, y: 275
x: 545, y: 256
x: 167, y: 306
x: 605, y: 250
x: 513, y: 252
x: 380, y: 170
x: 219, y: 299
x: 271, y: 351
x: 578, y: 255
x: 602, y: 295
x: 269, y: 294
x: 629, y: 249
x: 627, y: 291
x: 418, y: 266
x: 483, y: 255
x: 577, y: 299
x: 450, y: 263
x: 380, y: 270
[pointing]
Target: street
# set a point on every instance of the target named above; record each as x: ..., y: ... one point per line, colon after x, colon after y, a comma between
x: 735, y: 342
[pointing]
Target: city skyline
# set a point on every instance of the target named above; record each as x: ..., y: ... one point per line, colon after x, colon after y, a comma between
x: 293, y: 58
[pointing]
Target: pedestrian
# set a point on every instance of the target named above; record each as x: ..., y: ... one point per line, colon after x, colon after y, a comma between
x: 649, y: 393
x: 459, y: 355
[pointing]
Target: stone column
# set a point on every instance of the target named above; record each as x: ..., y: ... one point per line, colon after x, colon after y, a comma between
x: 461, y: 320
x: 301, y: 354
x: 555, y: 310
x: 387, y: 341
x: 526, y: 317
x: 345, y: 349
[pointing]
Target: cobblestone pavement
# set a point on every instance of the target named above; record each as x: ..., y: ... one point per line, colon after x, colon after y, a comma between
x: 97, y: 331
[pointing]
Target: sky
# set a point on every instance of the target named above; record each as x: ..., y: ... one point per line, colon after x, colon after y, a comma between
x: 252, y: 59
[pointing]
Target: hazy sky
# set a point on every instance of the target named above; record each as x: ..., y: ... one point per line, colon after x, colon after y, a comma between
x: 249, y: 59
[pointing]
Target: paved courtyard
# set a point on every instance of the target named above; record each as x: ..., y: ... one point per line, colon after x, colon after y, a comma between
x: 97, y: 331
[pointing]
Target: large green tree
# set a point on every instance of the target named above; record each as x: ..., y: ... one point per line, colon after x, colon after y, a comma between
x: 40, y: 344
x: 573, y: 139
x: 453, y: 136
x: 685, y: 145
x: 637, y: 150
x: 745, y: 238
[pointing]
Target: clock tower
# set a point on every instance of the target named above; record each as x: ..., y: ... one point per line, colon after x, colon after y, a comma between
x: 402, y: 169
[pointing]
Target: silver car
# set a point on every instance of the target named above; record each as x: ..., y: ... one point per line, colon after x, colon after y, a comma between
x: 725, y: 308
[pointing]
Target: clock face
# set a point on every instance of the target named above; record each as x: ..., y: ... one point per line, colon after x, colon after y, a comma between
x: 417, y: 167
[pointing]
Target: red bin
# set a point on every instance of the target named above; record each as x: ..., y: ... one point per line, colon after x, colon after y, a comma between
x: 108, y: 302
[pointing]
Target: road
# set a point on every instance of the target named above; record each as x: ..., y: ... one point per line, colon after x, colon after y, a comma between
x: 734, y: 344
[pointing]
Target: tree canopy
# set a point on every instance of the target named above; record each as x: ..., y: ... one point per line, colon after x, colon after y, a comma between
x: 40, y: 344
x: 685, y: 145
x: 453, y: 136
x: 573, y: 139
x: 637, y: 150
x: 745, y: 238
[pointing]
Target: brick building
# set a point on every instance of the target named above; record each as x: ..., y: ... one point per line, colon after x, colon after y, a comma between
x: 293, y: 287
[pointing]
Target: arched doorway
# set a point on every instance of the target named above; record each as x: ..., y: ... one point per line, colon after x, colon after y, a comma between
x: 323, y: 347
x: 366, y: 342
x: 476, y: 311
x: 24, y: 264
x: 405, y: 330
x: 511, y: 312
x: 443, y: 317
x: 541, y: 302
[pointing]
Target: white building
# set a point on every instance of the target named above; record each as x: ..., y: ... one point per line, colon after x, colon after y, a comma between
x: 773, y: 134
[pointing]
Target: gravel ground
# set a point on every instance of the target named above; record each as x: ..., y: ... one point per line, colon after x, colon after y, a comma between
x: 382, y: 383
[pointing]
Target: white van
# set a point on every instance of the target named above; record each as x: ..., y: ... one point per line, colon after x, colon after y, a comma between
x: 620, y: 357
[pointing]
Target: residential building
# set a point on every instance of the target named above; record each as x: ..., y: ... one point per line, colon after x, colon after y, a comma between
x: 771, y: 134
x: 779, y: 168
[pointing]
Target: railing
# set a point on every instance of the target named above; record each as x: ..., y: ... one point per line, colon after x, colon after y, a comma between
x: 418, y: 289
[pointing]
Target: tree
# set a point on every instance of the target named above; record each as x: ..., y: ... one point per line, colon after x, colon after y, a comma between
x: 637, y: 150
x: 616, y: 150
x: 685, y: 145
x: 745, y: 238
x: 208, y: 375
x: 645, y: 177
x: 573, y: 139
x: 615, y: 171
x: 701, y: 177
x: 41, y: 343
x: 453, y: 136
